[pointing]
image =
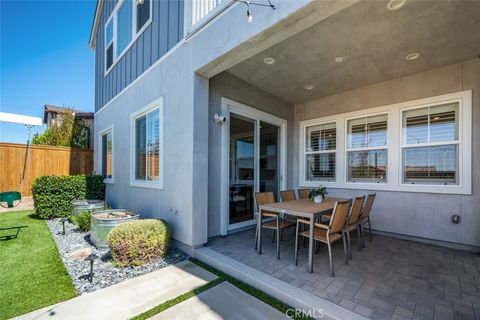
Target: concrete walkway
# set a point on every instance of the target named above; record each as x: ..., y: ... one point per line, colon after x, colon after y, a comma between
x: 129, y: 298
x: 223, y: 301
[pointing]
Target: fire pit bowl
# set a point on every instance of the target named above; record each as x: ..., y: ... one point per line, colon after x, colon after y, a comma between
x: 87, y: 205
x: 104, y: 221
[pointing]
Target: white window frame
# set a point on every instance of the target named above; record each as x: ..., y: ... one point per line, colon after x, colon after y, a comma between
x: 395, y: 143
x: 347, y: 149
x: 106, y: 45
x: 157, y: 104
x: 135, y: 34
x: 305, y: 153
x: 100, y: 155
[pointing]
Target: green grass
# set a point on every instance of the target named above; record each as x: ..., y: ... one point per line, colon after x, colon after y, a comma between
x: 275, y: 303
x: 32, y: 274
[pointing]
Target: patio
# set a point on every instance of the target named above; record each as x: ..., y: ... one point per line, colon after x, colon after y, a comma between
x: 389, y: 279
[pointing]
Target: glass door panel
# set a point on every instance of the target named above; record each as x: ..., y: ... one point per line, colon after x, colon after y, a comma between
x: 242, y: 169
x: 269, y: 159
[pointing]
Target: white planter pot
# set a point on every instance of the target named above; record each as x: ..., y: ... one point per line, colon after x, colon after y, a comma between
x: 318, y: 199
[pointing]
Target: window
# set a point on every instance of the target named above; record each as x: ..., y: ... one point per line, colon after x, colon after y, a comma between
x: 320, y: 148
x: 124, y: 26
x: 106, y: 154
x: 430, y: 142
x: 147, y: 126
x: 143, y: 13
x: 109, y: 45
x: 126, y: 23
x: 367, y: 153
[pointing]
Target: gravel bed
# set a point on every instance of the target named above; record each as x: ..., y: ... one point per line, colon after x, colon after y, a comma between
x: 105, y: 273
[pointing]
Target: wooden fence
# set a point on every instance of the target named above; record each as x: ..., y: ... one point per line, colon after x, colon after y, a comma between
x: 43, y: 161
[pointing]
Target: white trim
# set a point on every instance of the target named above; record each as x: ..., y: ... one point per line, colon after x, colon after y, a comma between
x: 394, y: 130
x: 231, y: 106
x: 135, y: 34
x: 100, y: 135
x: 157, y: 104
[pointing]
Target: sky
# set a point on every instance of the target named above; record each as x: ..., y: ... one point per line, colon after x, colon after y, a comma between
x: 44, y: 59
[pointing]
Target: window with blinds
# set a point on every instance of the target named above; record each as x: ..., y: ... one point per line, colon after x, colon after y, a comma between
x: 430, y: 144
x: 320, y: 148
x: 107, y: 154
x: 367, y: 153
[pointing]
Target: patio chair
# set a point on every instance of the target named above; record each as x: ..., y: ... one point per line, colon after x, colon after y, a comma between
x: 289, y: 195
x: 303, y: 193
x: 330, y: 233
x: 276, y: 223
x: 365, y: 218
x: 353, y: 223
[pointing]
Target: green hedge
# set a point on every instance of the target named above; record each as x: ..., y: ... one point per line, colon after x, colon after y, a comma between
x: 53, y: 195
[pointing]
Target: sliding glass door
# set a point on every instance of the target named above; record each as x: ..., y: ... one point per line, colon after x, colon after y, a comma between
x: 254, y: 165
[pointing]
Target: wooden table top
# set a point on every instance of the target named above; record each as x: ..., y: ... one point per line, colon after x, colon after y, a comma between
x: 305, y: 206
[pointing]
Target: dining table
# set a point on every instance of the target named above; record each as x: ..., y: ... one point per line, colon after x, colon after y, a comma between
x: 304, y: 208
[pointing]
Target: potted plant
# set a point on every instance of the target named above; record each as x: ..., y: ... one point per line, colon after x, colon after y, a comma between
x: 318, y: 195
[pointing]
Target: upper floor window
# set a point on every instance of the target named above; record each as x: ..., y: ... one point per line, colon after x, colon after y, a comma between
x: 321, y: 144
x: 126, y: 23
x: 430, y: 143
x: 367, y: 153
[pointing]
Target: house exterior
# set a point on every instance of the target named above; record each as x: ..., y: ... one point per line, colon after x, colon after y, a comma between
x: 196, y: 108
x: 52, y: 114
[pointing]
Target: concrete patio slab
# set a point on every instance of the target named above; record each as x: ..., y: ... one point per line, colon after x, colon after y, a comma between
x: 224, y: 301
x: 129, y: 298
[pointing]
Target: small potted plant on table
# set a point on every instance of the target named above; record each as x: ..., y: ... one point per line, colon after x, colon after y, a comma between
x: 318, y: 195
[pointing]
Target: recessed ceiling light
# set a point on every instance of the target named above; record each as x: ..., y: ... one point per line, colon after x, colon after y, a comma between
x: 308, y: 87
x: 412, y: 56
x: 269, y: 60
x: 339, y: 59
x: 395, y: 4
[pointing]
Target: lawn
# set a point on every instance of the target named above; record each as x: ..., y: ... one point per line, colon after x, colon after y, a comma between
x: 32, y: 274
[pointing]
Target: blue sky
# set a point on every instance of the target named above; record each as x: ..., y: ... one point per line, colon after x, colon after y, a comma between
x: 44, y: 59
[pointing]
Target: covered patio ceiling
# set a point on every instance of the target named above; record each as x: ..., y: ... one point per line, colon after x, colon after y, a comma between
x: 364, y: 44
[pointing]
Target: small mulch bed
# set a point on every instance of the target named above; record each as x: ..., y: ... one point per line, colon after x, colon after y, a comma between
x: 75, y: 245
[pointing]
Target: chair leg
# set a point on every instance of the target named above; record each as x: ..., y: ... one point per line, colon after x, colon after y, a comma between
x: 349, y: 244
x: 369, y: 230
x: 345, y: 250
x: 362, y: 231
x: 256, y: 238
x: 296, y: 244
x: 359, y: 239
x: 278, y: 242
x: 273, y: 237
x: 330, y: 257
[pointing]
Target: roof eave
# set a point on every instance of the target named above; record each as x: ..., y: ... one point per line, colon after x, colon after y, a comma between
x: 96, y: 21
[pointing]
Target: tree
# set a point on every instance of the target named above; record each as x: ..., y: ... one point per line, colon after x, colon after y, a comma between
x: 67, y: 131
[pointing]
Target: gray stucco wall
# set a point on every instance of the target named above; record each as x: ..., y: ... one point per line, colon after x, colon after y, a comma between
x: 161, y: 35
x: 416, y: 214
x: 228, y: 86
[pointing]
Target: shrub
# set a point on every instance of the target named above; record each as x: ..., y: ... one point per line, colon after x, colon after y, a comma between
x: 53, y: 195
x: 82, y: 220
x: 138, y: 242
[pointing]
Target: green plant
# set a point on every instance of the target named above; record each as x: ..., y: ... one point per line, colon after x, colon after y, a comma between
x: 320, y: 191
x: 67, y: 131
x: 82, y: 220
x: 53, y: 195
x: 135, y: 243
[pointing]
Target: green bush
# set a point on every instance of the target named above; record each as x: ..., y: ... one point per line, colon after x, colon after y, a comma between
x: 53, y: 195
x: 138, y: 242
x: 82, y: 220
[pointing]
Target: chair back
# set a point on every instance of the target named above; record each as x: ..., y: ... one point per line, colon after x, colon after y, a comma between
x: 303, y: 193
x: 339, y: 216
x: 368, y: 205
x: 356, y: 210
x: 288, y: 195
x: 262, y: 198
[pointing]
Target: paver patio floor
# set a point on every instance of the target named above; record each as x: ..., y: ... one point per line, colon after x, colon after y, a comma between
x: 389, y: 279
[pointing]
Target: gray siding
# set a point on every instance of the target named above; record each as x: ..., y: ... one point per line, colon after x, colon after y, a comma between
x: 165, y: 31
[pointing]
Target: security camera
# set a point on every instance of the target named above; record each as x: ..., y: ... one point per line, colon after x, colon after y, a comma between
x: 219, y: 119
